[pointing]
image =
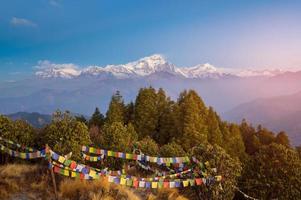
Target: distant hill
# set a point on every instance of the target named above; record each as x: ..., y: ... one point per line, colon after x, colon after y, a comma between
x: 276, y: 113
x: 35, y: 119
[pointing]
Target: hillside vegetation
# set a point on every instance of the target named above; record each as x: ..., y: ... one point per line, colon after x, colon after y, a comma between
x: 255, y: 161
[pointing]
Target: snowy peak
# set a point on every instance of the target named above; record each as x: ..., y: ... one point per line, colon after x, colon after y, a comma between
x: 144, y: 67
x: 51, y: 70
x: 202, y: 71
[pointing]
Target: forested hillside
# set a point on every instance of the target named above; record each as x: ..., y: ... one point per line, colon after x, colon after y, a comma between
x: 254, y: 160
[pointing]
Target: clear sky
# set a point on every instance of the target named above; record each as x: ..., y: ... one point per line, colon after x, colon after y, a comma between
x: 261, y: 34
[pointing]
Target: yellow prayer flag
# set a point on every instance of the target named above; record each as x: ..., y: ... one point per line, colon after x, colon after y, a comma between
x: 23, y: 155
x: 92, y: 173
x: 91, y: 150
x: 185, y: 183
x: 110, y: 153
x: 218, y: 178
x: 61, y: 159
x: 122, y: 181
x: 66, y: 172
x: 73, y: 174
x: 154, y: 184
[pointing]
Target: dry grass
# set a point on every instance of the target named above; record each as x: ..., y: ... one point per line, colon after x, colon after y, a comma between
x: 94, y: 190
x: 21, y: 181
x: 167, y: 194
x: 29, y: 181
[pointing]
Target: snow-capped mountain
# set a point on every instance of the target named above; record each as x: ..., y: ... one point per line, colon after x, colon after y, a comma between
x: 144, y: 67
x: 51, y: 70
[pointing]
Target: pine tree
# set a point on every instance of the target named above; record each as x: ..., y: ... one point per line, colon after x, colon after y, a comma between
x: 282, y: 138
x: 234, y: 144
x: 116, y: 111
x: 146, y: 112
x: 129, y: 113
x: 97, y: 119
x: 165, y: 124
x: 214, y: 132
x: 191, y: 120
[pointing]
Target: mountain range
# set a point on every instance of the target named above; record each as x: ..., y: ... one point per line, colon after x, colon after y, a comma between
x: 80, y: 89
x: 145, y: 67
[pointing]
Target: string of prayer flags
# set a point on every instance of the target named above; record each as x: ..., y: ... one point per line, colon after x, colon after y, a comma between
x: 139, y: 157
x: 23, y: 155
x: 25, y: 148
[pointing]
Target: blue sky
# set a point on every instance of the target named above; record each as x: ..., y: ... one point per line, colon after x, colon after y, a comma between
x: 250, y: 34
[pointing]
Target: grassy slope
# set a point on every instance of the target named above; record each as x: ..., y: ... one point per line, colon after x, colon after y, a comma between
x: 22, y: 181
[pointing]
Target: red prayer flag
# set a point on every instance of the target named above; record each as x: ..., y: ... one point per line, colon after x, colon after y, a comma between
x: 198, y: 181
x: 73, y: 165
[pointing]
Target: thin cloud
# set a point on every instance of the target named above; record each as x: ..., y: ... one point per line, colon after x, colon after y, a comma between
x: 15, y: 21
x: 54, y: 3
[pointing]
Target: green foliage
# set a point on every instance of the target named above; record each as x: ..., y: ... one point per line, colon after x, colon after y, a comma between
x: 234, y: 144
x: 18, y: 131
x: 146, y: 112
x: 6, y: 127
x: 118, y: 137
x: 129, y: 113
x: 97, y: 119
x: 171, y: 149
x: 116, y: 111
x: 250, y: 139
x: 66, y: 134
x: 214, y: 132
x: 82, y: 119
x: 273, y: 172
x: 227, y: 167
x: 190, y: 123
x: 24, y: 133
x: 148, y: 146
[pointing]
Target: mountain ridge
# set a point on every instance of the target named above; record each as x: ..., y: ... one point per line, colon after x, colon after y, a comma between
x: 144, y: 67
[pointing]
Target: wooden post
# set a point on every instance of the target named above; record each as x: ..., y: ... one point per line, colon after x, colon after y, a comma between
x: 51, y: 172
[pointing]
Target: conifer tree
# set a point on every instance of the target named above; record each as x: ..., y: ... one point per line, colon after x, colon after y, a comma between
x: 116, y: 111
x: 97, y: 119
x: 282, y: 138
x: 251, y: 140
x: 191, y: 122
x: 146, y: 112
x: 165, y: 124
x: 214, y: 132
x: 234, y: 144
x: 129, y: 113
